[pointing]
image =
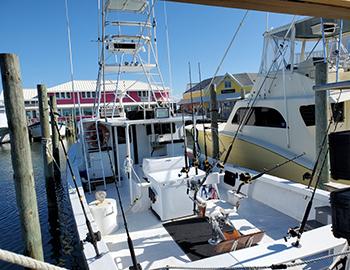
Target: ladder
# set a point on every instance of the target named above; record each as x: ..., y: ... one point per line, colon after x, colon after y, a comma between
x: 93, y: 161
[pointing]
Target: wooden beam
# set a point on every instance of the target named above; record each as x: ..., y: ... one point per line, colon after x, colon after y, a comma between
x: 335, y: 9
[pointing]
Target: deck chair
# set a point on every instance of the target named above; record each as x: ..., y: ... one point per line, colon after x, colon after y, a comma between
x: 255, y: 238
x: 243, y: 241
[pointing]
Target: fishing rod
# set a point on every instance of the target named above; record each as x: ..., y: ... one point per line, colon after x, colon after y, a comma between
x: 195, y: 161
x: 298, y: 231
x: 186, y: 168
x: 91, y: 237
x: 136, y: 266
x: 246, y: 178
x: 206, y: 162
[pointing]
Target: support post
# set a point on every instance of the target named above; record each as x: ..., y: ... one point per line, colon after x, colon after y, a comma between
x: 21, y: 156
x: 46, y: 145
x: 321, y: 117
x: 214, y: 121
x: 55, y: 138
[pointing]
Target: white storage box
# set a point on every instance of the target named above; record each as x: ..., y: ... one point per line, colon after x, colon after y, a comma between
x: 170, y: 188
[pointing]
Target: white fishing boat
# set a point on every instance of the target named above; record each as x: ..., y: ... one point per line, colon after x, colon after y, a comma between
x: 4, y: 134
x: 35, y: 130
x: 138, y: 204
x: 281, y: 119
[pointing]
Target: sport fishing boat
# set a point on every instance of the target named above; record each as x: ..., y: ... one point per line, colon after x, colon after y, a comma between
x: 277, y: 121
x: 35, y: 130
x: 139, y: 204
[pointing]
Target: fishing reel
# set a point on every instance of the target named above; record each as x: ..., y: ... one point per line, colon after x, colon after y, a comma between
x: 183, y: 170
x: 293, y: 233
x: 93, y: 238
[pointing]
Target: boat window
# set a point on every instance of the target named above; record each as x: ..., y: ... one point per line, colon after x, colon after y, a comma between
x: 308, y: 113
x: 260, y: 116
x: 160, y: 129
x: 68, y: 94
x: 121, y: 135
x: 83, y: 94
x: 57, y: 95
x: 338, y: 111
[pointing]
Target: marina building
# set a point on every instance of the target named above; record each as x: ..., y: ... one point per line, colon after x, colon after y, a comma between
x: 229, y: 89
x: 134, y: 94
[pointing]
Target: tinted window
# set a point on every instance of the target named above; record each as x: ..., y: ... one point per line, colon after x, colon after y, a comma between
x: 160, y: 129
x: 308, y: 113
x: 260, y: 116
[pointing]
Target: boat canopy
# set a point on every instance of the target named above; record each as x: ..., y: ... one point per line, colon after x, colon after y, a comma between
x: 310, y: 29
x: 126, y: 5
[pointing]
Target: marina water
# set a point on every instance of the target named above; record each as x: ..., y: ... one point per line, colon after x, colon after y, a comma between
x: 60, y: 241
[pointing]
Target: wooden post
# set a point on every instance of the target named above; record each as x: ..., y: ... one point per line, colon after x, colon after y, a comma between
x: 214, y: 121
x: 321, y: 117
x: 21, y: 156
x: 46, y: 145
x: 55, y: 138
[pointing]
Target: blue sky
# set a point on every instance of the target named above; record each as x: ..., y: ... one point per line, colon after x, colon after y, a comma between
x: 36, y: 31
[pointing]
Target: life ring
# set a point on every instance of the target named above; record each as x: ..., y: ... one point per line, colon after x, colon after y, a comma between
x: 91, y: 134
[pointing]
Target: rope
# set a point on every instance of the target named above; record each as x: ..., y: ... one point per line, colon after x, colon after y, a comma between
x: 272, y: 266
x: 26, y: 262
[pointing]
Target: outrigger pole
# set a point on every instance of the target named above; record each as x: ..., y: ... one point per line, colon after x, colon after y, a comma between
x: 206, y: 162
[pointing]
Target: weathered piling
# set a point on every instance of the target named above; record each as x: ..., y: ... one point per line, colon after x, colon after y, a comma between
x: 70, y: 132
x: 321, y: 117
x: 21, y: 156
x: 46, y: 145
x: 214, y: 121
x: 55, y: 137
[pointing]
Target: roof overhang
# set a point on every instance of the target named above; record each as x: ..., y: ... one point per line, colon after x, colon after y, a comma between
x: 336, y: 9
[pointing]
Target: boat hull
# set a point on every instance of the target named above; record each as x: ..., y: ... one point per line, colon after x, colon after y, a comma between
x: 254, y: 156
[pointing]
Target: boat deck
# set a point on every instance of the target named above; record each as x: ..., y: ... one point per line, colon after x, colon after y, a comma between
x: 146, y: 230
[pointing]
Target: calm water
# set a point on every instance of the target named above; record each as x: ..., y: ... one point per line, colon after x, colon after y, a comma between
x: 59, y: 235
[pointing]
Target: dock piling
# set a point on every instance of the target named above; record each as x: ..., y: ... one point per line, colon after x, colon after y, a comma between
x: 55, y: 139
x: 321, y: 118
x: 46, y: 145
x: 21, y: 156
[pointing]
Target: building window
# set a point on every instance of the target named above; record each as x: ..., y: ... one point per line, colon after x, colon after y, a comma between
x: 228, y: 84
x: 227, y: 91
x: 143, y: 93
x: 259, y: 116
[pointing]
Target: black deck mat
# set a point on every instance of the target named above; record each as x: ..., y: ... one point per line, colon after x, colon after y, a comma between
x: 192, y: 236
